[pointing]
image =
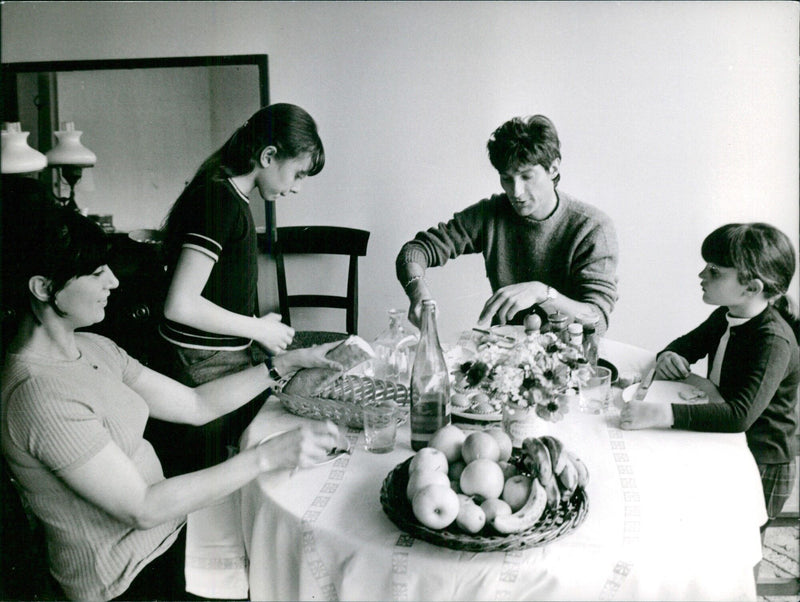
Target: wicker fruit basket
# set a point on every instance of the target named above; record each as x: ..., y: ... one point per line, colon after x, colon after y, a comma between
x: 343, y: 401
x: 551, y: 526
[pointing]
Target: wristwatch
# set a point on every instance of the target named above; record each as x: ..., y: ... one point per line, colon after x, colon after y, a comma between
x: 273, y: 373
x: 552, y: 293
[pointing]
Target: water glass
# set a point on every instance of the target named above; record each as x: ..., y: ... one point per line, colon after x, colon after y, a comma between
x: 595, y: 391
x: 380, y: 426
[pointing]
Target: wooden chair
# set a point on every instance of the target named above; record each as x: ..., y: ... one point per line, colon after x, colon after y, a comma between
x: 322, y: 240
x: 789, y: 517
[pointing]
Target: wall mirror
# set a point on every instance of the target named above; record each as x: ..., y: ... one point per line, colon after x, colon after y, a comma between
x: 151, y: 122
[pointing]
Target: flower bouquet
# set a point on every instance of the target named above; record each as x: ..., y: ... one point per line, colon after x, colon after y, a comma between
x: 529, y: 379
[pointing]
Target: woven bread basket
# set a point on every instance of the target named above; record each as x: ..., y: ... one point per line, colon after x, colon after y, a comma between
x: 343, y: 401
x: 552, y: 525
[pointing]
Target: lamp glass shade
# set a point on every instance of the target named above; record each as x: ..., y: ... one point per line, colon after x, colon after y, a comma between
x: 17, y: 156
x: 69, y: 150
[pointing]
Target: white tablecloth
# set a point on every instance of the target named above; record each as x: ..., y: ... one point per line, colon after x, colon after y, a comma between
x: 673, y: 515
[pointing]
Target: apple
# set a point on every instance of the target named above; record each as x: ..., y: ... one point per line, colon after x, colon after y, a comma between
x: 494, y: 507
x: 483, y: 478
x: 435, y: 506
x: 471, y: 517
x: 448, y: 440
x: 480, y: 444
x: 516, y: 491
x: 509, y: 470
x: 422, y: 478
x: 428, y: 458
x: 503, y: 441
x: 455, y: 469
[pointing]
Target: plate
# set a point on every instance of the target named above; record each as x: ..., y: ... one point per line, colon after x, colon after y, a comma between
x: 477, y: 417
x: 332, y: 455
x: 665, y: 391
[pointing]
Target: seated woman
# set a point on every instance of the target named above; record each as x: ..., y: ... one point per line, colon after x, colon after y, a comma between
x: 75, y: 406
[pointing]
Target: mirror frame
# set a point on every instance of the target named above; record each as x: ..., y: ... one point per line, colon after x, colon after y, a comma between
x: 48, y: 100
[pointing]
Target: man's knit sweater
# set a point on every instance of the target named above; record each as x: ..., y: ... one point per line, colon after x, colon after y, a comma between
x: 574, y: 250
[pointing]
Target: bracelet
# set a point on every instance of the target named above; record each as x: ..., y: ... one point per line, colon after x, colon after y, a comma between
x: 413, y: 279
x: 551, y: 293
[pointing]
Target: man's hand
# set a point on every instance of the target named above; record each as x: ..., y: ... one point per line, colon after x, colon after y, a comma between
x: 506, y: 302
x: 417, y: 292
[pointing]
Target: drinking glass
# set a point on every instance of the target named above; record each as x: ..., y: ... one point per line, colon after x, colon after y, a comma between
x: 595, y: 391
x: 380, y: 426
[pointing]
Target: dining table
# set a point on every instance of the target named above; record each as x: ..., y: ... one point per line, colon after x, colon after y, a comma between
x: 672, y: 515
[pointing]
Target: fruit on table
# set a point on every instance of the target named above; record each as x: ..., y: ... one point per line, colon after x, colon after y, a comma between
x: 428, y: 458
x: 482, y: 478
x: 503, y: 441
x: 583, y: 472
x: 527, y: 516
x: 516, y: 491
x: 422, y: 478
x: 538, y: 459
x: 455, y: 470
x: 435, y: 506
x: 448, y: 440
x: 480, y: 444
x: 471, y: 517
x: 494, y: 507
x: 568, y: 478
x: 555, y: 448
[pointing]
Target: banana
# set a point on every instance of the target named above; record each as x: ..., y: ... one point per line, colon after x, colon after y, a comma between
x: 583, y: 472
x: 540, y: 464
x: 556, y: 449
x: 525, y: 517
x: 553, y: 493
x: 568, y: 478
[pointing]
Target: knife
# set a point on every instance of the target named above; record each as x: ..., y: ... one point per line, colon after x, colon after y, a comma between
x: 644, y: 387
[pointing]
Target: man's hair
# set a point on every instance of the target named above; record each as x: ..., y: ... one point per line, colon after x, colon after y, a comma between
x: 524, y: 141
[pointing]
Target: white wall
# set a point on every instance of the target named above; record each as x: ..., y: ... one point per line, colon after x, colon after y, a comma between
x: 674, y: 118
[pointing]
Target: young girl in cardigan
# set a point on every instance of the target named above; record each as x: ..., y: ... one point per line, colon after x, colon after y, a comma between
x: 751, y: 343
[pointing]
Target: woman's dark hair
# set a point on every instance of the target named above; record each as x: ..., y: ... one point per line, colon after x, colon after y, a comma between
x: 41, y: 238
x: 757, y: 250
x: 524, y: 141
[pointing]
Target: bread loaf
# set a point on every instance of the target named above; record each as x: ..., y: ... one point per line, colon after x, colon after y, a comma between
x: 350, y: 353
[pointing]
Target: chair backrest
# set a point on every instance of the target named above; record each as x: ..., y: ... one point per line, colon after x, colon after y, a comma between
x: 325, y: 240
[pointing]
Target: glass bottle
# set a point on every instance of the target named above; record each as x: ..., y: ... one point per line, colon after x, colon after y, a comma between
x: 558, y: 325
x: 393, y: 350
x: 590, y: 343
x: 575, y: 331
x: 430, y: 382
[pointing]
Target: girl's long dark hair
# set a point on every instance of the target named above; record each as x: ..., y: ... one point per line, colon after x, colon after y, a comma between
x: 757, y: 250
x: 287, y: 127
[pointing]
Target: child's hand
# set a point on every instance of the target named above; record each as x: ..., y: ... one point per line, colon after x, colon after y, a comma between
x: 645, y: 415
x: 671, y: 366
x: 273, y: 334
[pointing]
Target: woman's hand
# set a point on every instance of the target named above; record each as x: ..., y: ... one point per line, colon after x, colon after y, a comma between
x: 671, y: 366
x: 307, y: 357
x: 304, y: 446
x: 644, y: 415
x: 273, y: 334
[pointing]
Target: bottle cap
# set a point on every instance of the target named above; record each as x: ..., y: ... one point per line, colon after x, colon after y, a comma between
x: 575, y: 328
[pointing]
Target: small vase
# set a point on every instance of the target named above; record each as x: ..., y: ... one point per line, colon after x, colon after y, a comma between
x: 521, y: 422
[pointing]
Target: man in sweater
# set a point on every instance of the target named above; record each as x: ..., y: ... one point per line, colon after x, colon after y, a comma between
x: 544, y: 250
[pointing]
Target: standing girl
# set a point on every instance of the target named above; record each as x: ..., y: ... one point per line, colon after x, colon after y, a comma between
x: 751, y: 343
x: 210, y: 312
